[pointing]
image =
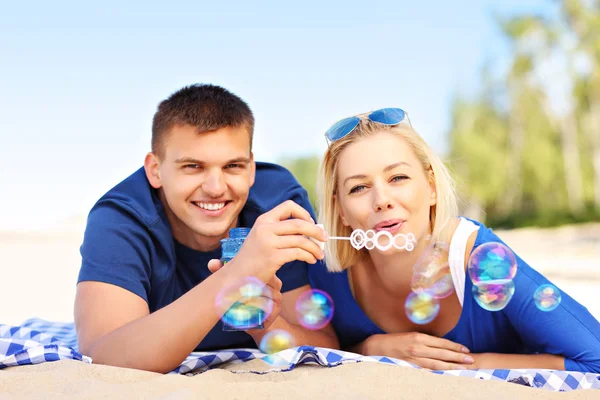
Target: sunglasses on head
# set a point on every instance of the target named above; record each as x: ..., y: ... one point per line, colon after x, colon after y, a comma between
x: 385, y: 116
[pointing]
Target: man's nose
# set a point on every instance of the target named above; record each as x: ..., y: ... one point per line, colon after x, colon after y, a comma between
x: 214, y: 185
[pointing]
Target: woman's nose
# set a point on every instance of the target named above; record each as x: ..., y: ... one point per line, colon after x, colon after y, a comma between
x: 382, y: 200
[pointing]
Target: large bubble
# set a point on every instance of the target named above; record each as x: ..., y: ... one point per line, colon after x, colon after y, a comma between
x: 246, y: 304
x: 547, y: 297
x: 314, y: 309
x: 492, y: 262
x: 275, y: 341
x: 431, y: 273
x: 421, y: 308
x: 494, y: 295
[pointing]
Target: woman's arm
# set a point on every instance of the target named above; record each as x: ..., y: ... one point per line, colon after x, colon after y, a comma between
x: 569, y: 333
x: 517, y: 361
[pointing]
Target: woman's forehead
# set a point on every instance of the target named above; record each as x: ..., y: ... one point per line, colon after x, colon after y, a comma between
x: 375, y: 151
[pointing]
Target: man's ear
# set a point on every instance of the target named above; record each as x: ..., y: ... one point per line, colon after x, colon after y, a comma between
x: 152, y: 168
x: 252, y: 167
x: 340, y: 211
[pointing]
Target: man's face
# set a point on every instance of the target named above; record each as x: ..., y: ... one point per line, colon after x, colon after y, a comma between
x: 204, y: 181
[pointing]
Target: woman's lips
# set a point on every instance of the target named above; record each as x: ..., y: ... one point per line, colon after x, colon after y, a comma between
x: 389, y: 225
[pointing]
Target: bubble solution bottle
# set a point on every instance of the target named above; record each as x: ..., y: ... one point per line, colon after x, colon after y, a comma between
x: 239, y: 317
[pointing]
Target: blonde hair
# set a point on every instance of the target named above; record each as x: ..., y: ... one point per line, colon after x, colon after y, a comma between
x: 339, y: 254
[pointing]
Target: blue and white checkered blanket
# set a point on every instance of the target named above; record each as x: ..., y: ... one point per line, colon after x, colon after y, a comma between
x: 38, y: 341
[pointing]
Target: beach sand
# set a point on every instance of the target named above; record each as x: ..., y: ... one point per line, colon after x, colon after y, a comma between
x: 74, y: 379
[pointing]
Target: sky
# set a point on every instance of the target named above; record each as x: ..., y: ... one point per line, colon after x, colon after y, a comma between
x: 79, y: 83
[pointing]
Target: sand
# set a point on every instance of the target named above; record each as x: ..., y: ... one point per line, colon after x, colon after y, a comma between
x: 74, y: 379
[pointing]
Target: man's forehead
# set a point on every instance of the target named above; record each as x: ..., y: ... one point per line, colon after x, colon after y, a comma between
x: 223, y: 144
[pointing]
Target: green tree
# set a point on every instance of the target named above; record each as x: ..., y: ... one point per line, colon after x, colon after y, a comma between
x: 305, y: 170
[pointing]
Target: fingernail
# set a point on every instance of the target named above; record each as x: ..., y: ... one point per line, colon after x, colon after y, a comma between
x: 469, y: 359
x: 465, y: 350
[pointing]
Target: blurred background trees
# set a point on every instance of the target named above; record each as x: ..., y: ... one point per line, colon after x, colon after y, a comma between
x: 525, y: 150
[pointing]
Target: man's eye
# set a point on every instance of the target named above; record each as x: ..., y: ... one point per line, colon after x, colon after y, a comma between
x: 234, y: 166
x: 191, y: 166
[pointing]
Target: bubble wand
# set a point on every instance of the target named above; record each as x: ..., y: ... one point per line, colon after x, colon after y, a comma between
x: 371, y: 239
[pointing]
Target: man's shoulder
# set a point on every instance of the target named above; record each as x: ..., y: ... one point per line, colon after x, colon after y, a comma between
x: 132, y: 198
x: 277, y: 173
x: 273, y: 185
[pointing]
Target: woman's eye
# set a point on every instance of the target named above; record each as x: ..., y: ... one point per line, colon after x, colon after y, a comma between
x: 357, y: 189
x: 399, y: 178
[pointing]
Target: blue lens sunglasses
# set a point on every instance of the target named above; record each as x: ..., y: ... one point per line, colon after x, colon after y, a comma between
x: 385, y: 116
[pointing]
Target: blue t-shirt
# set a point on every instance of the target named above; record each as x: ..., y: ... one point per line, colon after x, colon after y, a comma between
x: 520, y: 328
x: 128, y: 243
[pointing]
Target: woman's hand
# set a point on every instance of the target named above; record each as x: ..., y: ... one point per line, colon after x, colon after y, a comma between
x: 423, y: 350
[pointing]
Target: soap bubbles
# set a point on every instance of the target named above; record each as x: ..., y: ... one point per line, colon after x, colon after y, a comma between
x: 421, y: 308
x: 432, y: 272
x: 547, y: 297
x: 275, y: 341
x: 314, y: 309
x: 494, y: 295
x: 492, y: 261
x: 492, y: 267
x: 246, y: 304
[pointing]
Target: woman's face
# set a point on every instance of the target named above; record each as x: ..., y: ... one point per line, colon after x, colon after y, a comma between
x: 383, y: 186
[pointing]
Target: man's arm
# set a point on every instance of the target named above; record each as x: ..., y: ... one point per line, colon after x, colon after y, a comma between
x: 114, y: 326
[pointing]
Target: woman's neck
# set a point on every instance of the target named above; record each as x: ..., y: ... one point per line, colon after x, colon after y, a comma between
x: 395, y: 271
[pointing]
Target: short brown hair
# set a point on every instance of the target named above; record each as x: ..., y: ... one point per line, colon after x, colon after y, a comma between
x: 204, y: 106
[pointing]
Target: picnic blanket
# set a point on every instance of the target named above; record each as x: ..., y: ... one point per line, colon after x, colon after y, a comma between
x: 37, y: 341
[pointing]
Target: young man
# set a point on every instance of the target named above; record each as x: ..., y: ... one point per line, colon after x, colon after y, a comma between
x: 145, y: 294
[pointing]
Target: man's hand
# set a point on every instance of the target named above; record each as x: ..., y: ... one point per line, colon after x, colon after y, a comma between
x: 279, y: 236
x: 420, y: 349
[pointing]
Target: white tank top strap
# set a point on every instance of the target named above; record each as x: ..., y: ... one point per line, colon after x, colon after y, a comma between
x: 456, y: 256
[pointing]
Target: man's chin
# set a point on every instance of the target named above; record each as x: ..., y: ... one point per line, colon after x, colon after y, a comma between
x: 213, y: 230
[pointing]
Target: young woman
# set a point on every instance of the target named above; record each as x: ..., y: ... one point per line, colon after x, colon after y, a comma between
x: 378, y: 174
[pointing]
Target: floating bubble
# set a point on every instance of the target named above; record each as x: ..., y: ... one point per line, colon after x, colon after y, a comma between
x: 421, y: 308
x: 246, y: 304
x: 275, y: 341
x: 547, y: 297
x: 492, y: 262
x: 314, y: 309
x: 494, y: 295
x: 431, y: 273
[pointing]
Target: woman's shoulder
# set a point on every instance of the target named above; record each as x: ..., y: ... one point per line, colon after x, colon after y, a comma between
x: 472, y: 234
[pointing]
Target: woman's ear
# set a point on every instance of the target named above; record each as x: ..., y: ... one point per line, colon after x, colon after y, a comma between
x: 432, y: 189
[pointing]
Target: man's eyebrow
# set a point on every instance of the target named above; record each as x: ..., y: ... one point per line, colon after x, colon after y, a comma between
x: 239, y: 160
x: 191, y: 160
